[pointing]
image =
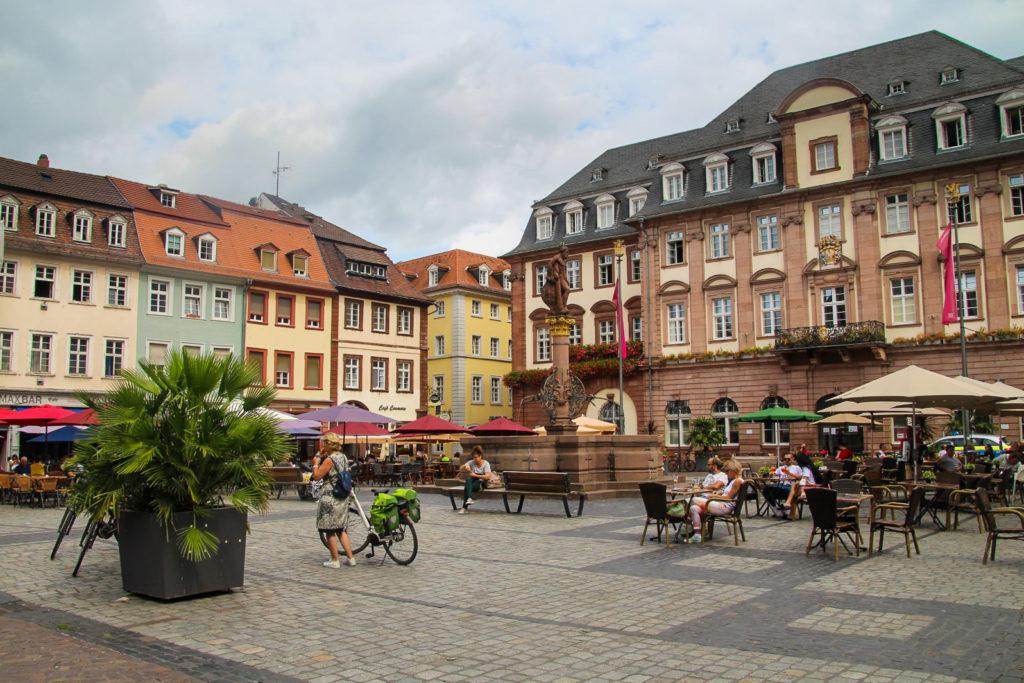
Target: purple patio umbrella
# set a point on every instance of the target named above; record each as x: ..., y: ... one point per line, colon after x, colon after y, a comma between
x: 345, y: 413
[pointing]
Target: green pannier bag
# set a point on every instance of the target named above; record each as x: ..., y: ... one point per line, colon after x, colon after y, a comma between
x: 384, y: 513
x: 409, y: 498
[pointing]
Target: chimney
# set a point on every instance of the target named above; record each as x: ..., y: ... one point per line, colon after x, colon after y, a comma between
x: 44, y: 161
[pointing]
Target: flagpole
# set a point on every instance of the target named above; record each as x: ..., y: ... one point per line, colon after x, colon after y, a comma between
x: 620, y: 252
x: 953, y: 195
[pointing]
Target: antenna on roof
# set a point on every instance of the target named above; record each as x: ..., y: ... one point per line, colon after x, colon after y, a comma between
x: 278, y: 170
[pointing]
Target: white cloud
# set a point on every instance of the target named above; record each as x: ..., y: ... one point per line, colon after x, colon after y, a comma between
x: 424, y: 126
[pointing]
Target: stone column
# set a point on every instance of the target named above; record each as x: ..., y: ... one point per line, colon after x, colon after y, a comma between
x: 925, y: 201
x: 865, y: 237
x: 559, y: 326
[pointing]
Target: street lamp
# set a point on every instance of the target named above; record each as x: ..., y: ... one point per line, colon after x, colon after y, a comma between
x: 620, y: 253
x: 953, y: 196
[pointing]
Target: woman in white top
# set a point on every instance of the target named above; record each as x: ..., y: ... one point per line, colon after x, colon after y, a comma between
x: 806, y: 465
x: 717, y: 503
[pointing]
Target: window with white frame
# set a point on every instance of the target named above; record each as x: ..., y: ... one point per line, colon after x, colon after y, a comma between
x: 40, y: 352
x: 192, y: 349
x: 721, y: 311
x: 404, y: 320
x: 605, y: 270
x: 509, y: 348
x: 43, y: 287
x: 725, y: 411
x: 510, y: 396
x: 542, y: 277
x: 379, y: 318
x: 192, y: 300
x: 117, y: 290
x: 830, y: 221
x: 897, y: 213
x: 544, y: 229
x: 575, y: 334
x: 158, y: 296
x: 768, y: 233
x: 474, y: 344
x: 495, y: 311
x: 573, y: 218
x: 716, y: 168
x: 771, y: 313
x: 483, y: 276
x: 635, y: 271
x: 1016, y: 183
x: 495, y: 391
x: 672, y: 182
x: 720, y: 247
x: 113, y: 357
x: 9, y: 213
x: 81, y: 286
x: 353, y: 314
x: 949, y: 75
x: 960, y: 210
x: 967, y: 294
x: 156, y: 353
x: 9, y: 277
x: 543, y: 345
x: 282, y: 370
x: 439, y: 309
x: 677, y: 423
x: 352, y: 372
x: 257, y: 307
x: 117, y: 232
x: 222, y: 303
x: 46, y: 220
x: 495, y: 343
x: 764, y: 168
x: 506, y: 280
x: 1020, y: 290
x: 833, y: 306
x: 774, y: 433
x: 378, y: 374
x: 403, y: 375
x: 896, y: 88
x: 676, y: 317
x: 574, y: 273
x: 605, y: 331
x: 951, y: 125
x: 904, y: 309
x: 439, y: 388
x: 605, y: 211
x: 825, y: 158
x: 432, y: 276
x: 300, y: 265
x: 315, y: 314
x: 81, y: 227
x: 168, y: 199
x: 636, y: 328
x: 6, y: 351
x: 476, y: 389
x: 207, y: 249
x: 439, y: 345
x: 222, y: 352
x: 637, y: 199
x: 476, y: 308
x: 174, y: 243
x: 78, y: 355
x: 1011, y: 113
x: 675, y: 248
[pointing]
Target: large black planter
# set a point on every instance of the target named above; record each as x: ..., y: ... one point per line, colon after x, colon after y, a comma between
x: 152, y: 565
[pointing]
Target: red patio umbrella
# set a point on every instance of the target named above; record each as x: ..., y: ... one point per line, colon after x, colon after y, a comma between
x: 82, y: 417
x: 430, y: 424
x: 502, y: 426
x: 42, y: 416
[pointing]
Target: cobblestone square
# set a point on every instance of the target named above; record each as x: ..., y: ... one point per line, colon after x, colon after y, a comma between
x: 531, y: 597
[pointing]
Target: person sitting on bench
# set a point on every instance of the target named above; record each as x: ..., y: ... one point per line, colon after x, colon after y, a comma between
x: 477, y: 472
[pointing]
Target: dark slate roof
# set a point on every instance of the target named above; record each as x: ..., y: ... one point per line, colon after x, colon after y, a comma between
x: 916, y: 59
x: 328, y: 230
x: 86, y: 187
x: 1016, y: 62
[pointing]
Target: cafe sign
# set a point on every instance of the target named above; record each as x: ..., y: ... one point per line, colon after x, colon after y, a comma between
x: 31, y: 398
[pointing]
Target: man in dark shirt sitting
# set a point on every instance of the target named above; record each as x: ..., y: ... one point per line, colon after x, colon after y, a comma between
x: 23, y: 467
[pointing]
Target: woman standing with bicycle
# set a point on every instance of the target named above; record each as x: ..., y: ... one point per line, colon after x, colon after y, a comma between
x: 332, y: 514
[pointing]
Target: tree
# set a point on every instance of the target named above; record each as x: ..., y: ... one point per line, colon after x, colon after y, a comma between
x: 188, y: 436
x: 705, y: 434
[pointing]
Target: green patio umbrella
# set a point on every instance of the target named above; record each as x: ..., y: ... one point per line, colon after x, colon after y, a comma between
x: 778, y: 415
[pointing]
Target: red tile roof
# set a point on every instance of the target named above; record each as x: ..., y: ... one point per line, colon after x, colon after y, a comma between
x: 59, y: 182
x: 457, y: 268
x: 188, y: 207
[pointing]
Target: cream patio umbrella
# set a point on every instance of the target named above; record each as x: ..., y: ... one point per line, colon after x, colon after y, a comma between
x: 844, y: 419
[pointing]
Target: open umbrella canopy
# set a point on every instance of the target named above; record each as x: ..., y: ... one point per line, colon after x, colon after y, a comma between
x: 346, y: 413
x: 431, y: 424
x: 7, y: 412
x: 584, y: 423
x: 62, y: 435
x: 358, y: 429
x: 865, y: 407
x: 82, y: 417
x: 37, y: 415
x: 844, y: 419
x: 502, y: 426
x: 778, y: 415
x: 923, y: 388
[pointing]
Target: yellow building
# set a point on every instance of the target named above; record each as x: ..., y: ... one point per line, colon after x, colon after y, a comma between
x: 469, y: 333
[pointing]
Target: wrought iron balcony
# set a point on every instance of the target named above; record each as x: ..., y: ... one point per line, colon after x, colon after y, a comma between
x: 867, y: 333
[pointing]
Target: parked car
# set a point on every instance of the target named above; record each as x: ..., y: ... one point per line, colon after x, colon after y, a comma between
x: 979, y: 441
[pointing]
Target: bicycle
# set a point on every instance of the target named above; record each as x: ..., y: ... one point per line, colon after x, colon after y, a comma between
x: 401, y: 545
x: 677, y: 463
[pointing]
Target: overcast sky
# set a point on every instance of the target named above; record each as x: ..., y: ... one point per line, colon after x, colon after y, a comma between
x: 421, y: 126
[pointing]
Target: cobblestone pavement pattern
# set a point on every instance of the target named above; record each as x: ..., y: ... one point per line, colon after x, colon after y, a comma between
x: 531, y: 597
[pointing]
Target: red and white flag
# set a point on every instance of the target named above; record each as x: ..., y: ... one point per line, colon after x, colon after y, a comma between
x: 949, y: 312
x: 620, y: 328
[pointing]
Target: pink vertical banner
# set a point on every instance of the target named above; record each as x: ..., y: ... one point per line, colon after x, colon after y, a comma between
x: 949, y: 312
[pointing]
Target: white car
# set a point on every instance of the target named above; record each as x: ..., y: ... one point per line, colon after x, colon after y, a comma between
x: 979, y: 442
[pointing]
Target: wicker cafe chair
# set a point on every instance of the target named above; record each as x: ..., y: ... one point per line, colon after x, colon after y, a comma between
x: 733, y: 520
x: 656, y: 508
x: 22, y: 488
x: 5, y: 487
x: 829, y: 524
x: 47, y: 488
x: 910, y: 510
x: 991, y: 518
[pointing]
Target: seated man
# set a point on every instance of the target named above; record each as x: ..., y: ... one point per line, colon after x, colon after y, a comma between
x: 947, y: 462
x: 715, y: 478
x: 788, y: 473
x: 477, y: 472
x: 23, y: 467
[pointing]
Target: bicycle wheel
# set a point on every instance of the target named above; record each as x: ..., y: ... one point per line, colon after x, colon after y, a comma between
x: 358, y: 534
x: 690, y: 464
x: 402, y: 546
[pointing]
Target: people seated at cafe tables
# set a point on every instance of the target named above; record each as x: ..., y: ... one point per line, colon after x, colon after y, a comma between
x: 716, y: 503
x: 788, y: 473
x: 715, y: 478
x: 948, y: 462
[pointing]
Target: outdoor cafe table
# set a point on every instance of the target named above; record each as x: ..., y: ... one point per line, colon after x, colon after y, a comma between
x: 973, y: 480
x: 676, y: 495
x: 929, y: 506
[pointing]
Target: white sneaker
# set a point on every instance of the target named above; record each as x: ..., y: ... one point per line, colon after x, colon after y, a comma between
x: 695, y: 538
x: 462, y: 511
x: 351, y: 561
x: 333, y: 564
x: 470, y: 501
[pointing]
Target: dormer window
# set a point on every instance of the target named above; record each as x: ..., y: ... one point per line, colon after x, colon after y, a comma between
x: 1011, y: 113
x: 951, y: 125
x: 596, y: 174
x: 605, y: 211
x: 506, y: 280
x: 46, y: 219
x: 9, y: 213
x: 544, y: 218
x: 433, y: 277
x: 117, y: 231
x: 300, y: 265
x: 732, y: 126
x: 672, y: 182
x: 892, y: 138
x: 483, y: 276
x: 207, y: 248
x: 716, y: 168
x: 364, y: 269
x: 950, y: 74
x: 174, y: 243
x: 637, y: 198
x: 167, y: 199
x: 81, y: 227
x: 573, y: 218
x: 763, y: 157
x: 770, y: 118
x: 897, y: 88
x: 654, y: 161
x: 268, y: 259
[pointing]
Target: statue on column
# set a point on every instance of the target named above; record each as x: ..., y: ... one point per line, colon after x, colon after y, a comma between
x: 555, y: 293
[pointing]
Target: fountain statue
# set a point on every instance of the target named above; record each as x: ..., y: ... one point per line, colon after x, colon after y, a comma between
x: 563, y: 394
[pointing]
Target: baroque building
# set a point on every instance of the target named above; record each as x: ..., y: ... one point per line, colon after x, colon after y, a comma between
x: 786, y: 251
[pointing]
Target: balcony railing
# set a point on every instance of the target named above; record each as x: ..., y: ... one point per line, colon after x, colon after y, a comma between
x: 864, y: 333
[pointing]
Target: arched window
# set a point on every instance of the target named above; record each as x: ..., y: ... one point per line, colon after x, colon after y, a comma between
x: 677, y: 423
x: 725, y: 411
x: 611, y: 412
x: 774, y: 433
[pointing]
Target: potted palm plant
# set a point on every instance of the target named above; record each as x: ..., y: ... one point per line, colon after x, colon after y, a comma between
x: 706, y: 436
x: 180, y: 458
